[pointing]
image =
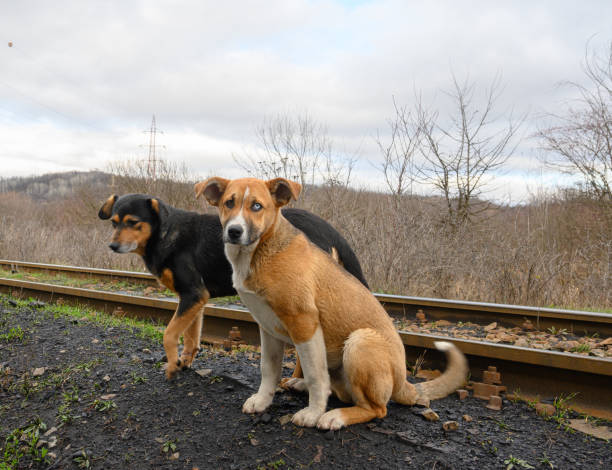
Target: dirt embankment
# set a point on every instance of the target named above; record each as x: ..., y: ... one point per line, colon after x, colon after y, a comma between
x: 75, y: 392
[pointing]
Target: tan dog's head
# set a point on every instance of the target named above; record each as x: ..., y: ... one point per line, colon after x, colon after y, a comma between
x: 248, y: 207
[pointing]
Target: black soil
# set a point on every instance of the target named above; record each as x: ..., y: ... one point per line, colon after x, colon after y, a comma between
x: 196, y: 421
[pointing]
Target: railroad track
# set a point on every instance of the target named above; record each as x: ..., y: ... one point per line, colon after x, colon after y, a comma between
x: 533, y: 372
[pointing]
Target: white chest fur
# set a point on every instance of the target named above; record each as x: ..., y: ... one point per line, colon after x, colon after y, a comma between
x: 240, y: 259
x: 264, y: 315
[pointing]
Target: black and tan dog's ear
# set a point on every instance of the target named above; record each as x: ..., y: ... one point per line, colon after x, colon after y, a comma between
x: 107, y: 208
x: 153, y: 204
x: 283, y: 190
x: 212, y: 189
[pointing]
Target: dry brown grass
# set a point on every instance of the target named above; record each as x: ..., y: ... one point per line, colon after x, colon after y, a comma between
x: 555, y: 251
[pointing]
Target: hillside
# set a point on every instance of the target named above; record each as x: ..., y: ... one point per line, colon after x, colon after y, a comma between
x: 52, y: 186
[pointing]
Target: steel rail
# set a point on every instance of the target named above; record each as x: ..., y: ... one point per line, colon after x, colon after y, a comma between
x: 397, y: 305
x: 534, y: 372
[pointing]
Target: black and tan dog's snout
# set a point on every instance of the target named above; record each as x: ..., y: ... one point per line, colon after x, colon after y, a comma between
x: 114, y: 246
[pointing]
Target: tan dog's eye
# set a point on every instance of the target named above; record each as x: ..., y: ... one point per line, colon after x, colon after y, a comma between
x: 256, y: 207
x: 131, y: 223
x: 229, y: 203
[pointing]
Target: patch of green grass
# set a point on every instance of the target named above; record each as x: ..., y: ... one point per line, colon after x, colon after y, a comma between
x: 137, y: 379
x: 275, y: 465
x: 490, y: 447
x: 501, y: 424
x: 73, y: 281
x: 585, y: 309
x: 71, y: 396
x: 557, y: 331
x: 15, y: 334
x: 64, y: 414
x: 513, y: 462
x: 23, y: 442
x: 141, y: 328
x: 581, y: 348
x: 546, y: 461
x: 83, y: 460
x: 104, y: 405
x: 561, y: 416
x: 169, y: 447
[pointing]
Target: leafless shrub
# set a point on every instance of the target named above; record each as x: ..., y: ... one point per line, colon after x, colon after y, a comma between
x: 298, y: 148
x: 555, y: 250
x: 462, y: 155
x: 580, y: 140
x: 400, y: 151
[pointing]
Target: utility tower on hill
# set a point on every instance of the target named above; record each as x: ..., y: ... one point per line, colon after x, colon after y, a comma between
x: 152, y: 160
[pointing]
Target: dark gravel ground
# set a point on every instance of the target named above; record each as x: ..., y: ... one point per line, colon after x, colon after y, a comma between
x: 195, y: 421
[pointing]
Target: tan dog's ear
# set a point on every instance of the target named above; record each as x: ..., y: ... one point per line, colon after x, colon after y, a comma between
x: 212, y: 189
x: 107, y: 208
x: 199, y: 188
x: 283, y: 190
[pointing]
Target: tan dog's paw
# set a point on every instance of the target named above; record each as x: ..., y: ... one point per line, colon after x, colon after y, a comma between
x: 256, y: 403
x: 423, y: 401
x: 307, y: 417
x: 294, y: 384
x: 331, y: 420
x: 172, y: 369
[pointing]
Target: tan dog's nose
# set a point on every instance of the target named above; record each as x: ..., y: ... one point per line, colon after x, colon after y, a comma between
x: 234, y: 232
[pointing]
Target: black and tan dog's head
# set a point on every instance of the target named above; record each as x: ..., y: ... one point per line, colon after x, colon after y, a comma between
x: 134, y: 217
x: 248, y: 207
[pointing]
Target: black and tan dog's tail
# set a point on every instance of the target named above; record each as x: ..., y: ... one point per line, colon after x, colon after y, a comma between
x: 453, y: 378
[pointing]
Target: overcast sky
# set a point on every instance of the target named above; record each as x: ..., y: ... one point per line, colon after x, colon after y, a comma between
x: 83, y: 79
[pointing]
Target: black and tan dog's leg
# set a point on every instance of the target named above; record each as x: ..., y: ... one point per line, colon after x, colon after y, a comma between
x: 191, y: 340
x: 192, y: 335
x: 185, y: 316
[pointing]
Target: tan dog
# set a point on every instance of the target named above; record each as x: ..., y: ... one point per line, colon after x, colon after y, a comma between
x: 299, y: 295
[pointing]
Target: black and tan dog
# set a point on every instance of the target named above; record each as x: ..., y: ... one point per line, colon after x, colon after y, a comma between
x: 184, y: 250
x: 344, y: 338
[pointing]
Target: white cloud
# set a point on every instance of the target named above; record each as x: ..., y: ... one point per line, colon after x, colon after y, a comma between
x: 83, y: 78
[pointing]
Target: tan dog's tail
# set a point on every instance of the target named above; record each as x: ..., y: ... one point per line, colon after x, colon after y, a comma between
x: 453, y: 377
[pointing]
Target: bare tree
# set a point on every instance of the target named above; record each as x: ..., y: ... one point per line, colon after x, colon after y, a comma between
x: 460, y: 156
x: 400, y: 151
x: 581, y: 140
x: 291, y: 147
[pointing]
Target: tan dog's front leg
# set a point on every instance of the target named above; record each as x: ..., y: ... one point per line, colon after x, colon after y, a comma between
x: 313, y: 357
x: 272, y: 351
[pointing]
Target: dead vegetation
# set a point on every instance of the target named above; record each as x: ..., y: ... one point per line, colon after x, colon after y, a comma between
x: 556, y: 250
